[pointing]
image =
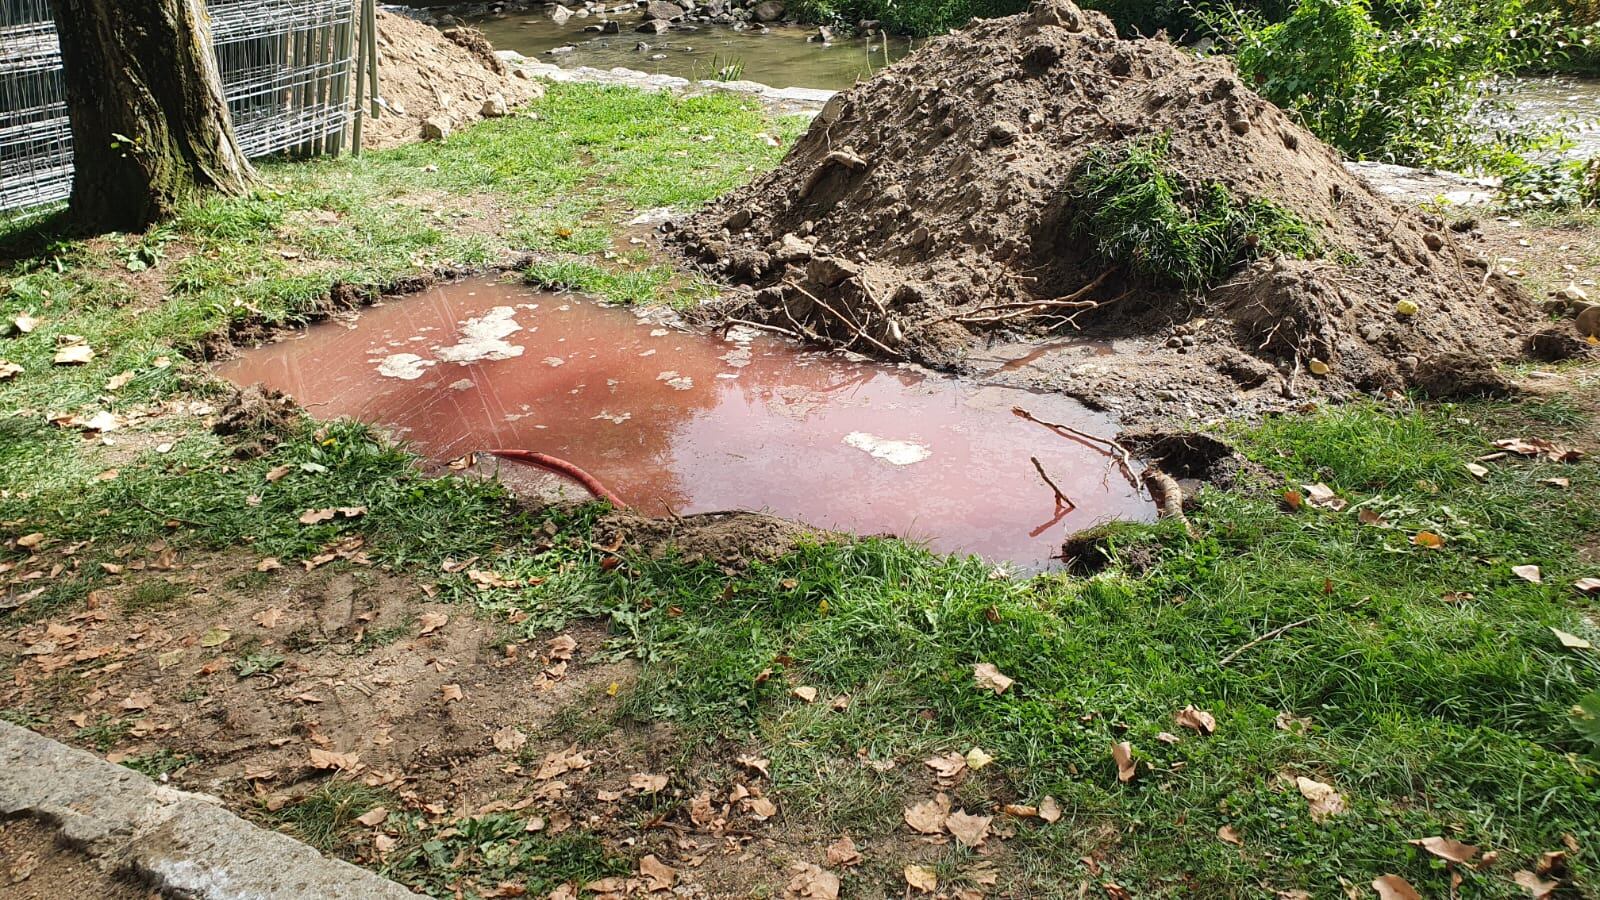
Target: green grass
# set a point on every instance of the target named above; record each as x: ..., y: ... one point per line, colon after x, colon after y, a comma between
x: 1431, y: 715
x: 1142, y: 215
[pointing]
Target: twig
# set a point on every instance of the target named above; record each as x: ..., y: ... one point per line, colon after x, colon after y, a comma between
x: 1125, y: 459
x: 762, y: 326
x: 860, y: 332
x: 1274, y: 633
x: 1019, y: 308
x: 1061, y: 498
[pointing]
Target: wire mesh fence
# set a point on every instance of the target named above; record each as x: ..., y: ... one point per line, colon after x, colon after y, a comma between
x: 286, y: 70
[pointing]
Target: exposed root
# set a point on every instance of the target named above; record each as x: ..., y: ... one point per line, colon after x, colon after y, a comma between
x: 1004, y: 312
x: 1167, y: 493
x: 850, y: 323
x: 564, y: 469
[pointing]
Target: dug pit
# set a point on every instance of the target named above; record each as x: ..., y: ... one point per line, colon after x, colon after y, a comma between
x: 677, y: 422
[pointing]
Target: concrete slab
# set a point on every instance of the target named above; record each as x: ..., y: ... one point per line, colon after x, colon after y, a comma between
x: 184, y: 844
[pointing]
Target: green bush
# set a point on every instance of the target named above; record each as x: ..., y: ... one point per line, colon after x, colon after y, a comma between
x: 1142, y: 215
x: 917, y: 17
x: 1410, y: 81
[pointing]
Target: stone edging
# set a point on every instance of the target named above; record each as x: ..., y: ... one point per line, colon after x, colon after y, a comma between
x: 184, y: 844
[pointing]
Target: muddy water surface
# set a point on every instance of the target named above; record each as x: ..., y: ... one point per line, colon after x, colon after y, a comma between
x: 695, y: 423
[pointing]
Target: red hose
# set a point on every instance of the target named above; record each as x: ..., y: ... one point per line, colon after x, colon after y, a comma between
x: 565, y: 469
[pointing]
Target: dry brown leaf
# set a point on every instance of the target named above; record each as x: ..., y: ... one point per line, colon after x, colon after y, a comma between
x: 1020, y: 810
x: 805, y: 692
x: 762, y: 809
x: 1325, y: 801
x: 327, y: 759
x: 269, y: 564
x: 1393, y: 887
x: 1427, y: 540
x: 928, y: 817
x: 138, y: 700
x: 1049, y: 809
x: 843, y: 852
x: 1571, y: 641
x: 990, y: 678
x: 658, y: 875
x: 560, y: 763
x: 451, y: 692
x: 1447, y: 849
x: 1229, y: 835
x: 756, y: 764
x: 922, y: 878
x: 118, y: 381
x: 1167, y: 737
x: 977, y: 758
x: 1369, y: 517
x: 1323, y: 496
x: 810, y: 881
x: 1557, y: 482
x: 24, y: 323
x: 646, y: 783
x: 1127, y: 768
x: 374, y: 817
x: 948, y: 766
x: 1528, y: 573
x: 1539, y: 447
x: 968, y: 830
x: 1196, y: 719
x: 431, y: 622
x: 509, y: 739
x: 1587, y: 585
x: 9, y: 369
x: 316, y: 516
x: 1537, y: 888
x: 1116, y: 891
x: 269, y: 617
x: 74, y: 355
x: 561, y: 647
x: 1478, y: 471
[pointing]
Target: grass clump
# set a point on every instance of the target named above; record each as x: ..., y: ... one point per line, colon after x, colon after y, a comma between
x: 1142, y: 214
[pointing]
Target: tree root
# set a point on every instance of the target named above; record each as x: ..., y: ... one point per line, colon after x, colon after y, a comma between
x: 1167, y: 493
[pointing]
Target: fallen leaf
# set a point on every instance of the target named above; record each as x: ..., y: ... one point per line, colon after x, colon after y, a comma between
x: 1020, y: 810
x: 1116, y: 891
x: 1049, y: 809
x: 1571, y: 641
x: 1369, y: 516
x: 1122, y: 752
x: 1325, y: 801
x: 1228, y: 835
x: 810, y: 881
x: 843, y: 852
x: 1321, y: 495
x: 922, y: 878
x: 1294, y: 500
x: 432, y: 622
x: 1167, y: 737
x: 269, y: 617
x: 968, y: 830
x: 1478, y: 471
x: 23, y: 323
x: 977, y: 758
x: 1447, y: 849
x: 989, y: 677
x: 9, y: 369
x: 928, y: 817
x: 1539, y: 447
x: 1587, y: 585
x: 947, y: 766
x: 762, y: 808
x: 276, y: 472
x: 658, y: 875
x: 561, y: 647
x: 1393, y: 887
x: 327, y: 759
x: 138, y: 700
x: 1427, y: 540
x: 118, y: 381
x: 269, y: 564
x: 1537, y: 888
x: 755, y: 764
x: 509, y: 739
x: 1557, y: 482
x: 647, y: 784
x: 806, y: 693
x: 216, y: 637
x: 451, y: 692
x: 1196, y: 719
x: 74, y: 355
x: 374, y: 817
x: 1528, y: 573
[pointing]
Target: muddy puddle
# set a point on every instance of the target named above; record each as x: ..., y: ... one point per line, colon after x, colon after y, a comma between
x: 680, y: 421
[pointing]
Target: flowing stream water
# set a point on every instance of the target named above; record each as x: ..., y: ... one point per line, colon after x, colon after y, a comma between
x: 676, y: 421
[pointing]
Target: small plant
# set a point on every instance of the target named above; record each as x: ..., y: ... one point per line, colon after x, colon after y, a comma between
x: 327, y: 815
x: 259, y: 662
x: 151, y: 595
x: 158, y: 765
x: 1142, y: 215
x: 729, y: 69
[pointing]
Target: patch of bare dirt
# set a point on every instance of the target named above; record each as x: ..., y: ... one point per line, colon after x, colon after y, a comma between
x: 730, y: 539
x: 35, y: 864
x: 424, y: 74
x: 928, y: 210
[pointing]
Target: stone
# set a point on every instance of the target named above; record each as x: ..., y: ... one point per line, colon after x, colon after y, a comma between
x: 435, y: 128
x: 792, y: 248
x: 1004, y: 133
x: 611, y: 26
x: 654, y: 26
x: 661, y: 9
x: 641, y: 47
x: 823, y: 35
x: 494, y: 106
x: 768, y: 11
x: 559, y: 14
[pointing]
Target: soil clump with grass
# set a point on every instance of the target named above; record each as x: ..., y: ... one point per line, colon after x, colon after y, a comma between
x: 1035, y: 174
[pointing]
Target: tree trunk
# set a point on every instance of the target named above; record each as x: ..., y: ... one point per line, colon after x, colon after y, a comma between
x: 149, y: 123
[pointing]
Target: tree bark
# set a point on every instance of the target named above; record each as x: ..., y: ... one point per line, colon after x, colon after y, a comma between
x: 150, y: 126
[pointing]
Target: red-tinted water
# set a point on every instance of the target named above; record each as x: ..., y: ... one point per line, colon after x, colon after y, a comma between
x: 699, y: 423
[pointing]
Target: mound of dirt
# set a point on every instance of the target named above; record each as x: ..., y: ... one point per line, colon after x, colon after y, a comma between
x: 255, y: 420
x: 936, y: 204
x: 424, y: 74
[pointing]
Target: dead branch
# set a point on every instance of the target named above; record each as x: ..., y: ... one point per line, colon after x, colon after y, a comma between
x: 860, y: 332
x: 1062, y: 500
x: 1106, y: 446
x: 1274, y: 633
x: 762, y: 326
x: 1020, y: 308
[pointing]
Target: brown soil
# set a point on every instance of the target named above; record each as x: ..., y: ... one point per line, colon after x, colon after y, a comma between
x: 423, y: 74
x: 922, y: 199
x: 36, y: 865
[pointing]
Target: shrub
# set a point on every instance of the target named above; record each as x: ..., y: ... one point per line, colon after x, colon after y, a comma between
x: 1143, y: 215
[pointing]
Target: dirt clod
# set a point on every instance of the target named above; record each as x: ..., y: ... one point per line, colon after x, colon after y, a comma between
x: 256, y: 420
x: 934, y: 206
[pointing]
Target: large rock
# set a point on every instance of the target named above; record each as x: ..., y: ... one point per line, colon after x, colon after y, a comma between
x: 494, y: 106
x: 559, y: 14
x: 654, y: 26
x: 768, y: 11
x: 663, y: 11
x: 435, y: 128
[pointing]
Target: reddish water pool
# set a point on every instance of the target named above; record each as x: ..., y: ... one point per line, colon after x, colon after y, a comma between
x: 695, y: 423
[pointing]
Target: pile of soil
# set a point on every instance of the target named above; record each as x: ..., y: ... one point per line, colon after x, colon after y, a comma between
x: 424, y: 74
x: 923, y: 201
